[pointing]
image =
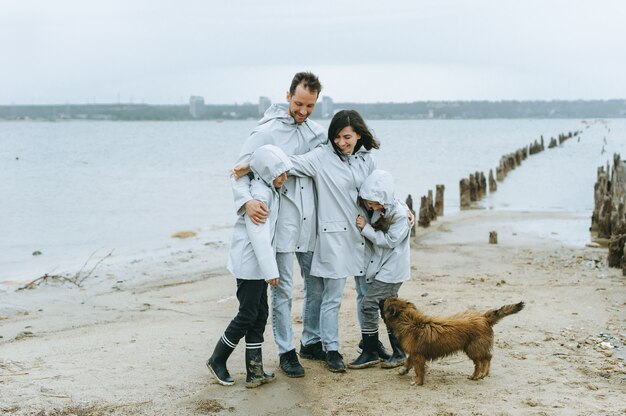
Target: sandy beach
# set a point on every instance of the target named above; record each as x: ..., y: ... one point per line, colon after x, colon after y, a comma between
x: 134, y: 338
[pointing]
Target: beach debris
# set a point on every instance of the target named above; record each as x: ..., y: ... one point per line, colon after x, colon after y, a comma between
x: 24, y: 334
x: 184, y: 234
x: 37, y: 253
x: 493, y: 237
x: 77, y: 279
x: 211, y: 406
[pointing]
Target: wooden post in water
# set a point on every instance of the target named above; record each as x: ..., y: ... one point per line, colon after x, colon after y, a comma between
x: 493, y: 186
x: 464, y: 193
x: 424, y: 218
x: 472, y: 188
x: 609, y: 219
x: 431, y: 206
x: 409, y: 203
x: 493, y: 237
x: 439, y: 189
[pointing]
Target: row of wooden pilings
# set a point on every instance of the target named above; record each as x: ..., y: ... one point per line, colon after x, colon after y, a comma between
x: 608, y: 220
x: 475, y: 187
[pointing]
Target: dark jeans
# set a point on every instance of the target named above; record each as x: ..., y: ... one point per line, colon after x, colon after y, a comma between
x: 253, y: 312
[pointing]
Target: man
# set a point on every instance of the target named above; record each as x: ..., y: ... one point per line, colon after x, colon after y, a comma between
x: 292, y: 131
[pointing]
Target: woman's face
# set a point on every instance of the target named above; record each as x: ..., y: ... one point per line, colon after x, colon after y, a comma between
x: 346, y: 140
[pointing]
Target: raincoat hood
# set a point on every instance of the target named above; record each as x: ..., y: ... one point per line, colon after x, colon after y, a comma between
x: 268, y: 162
x: 277, y: 112
x: 378, y: 187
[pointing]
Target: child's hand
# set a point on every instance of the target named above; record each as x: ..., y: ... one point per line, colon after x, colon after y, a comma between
x: 240, y: 170
x: 273, y: 282
x: 360, y: 222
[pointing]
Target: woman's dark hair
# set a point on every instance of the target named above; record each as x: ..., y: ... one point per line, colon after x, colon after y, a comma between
x: 345, y: 118
x: 308, y: 80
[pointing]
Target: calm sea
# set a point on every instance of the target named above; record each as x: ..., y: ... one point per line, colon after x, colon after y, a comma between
x: 69, y: 189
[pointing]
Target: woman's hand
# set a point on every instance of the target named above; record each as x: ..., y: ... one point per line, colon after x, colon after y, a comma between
x: 360, y: 222
x: 240, y: 170
x: 273, y: 282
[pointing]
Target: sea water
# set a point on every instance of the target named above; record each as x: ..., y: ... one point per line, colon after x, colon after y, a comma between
x: 73, y: 189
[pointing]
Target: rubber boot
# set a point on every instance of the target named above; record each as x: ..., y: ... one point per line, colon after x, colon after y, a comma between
x: 254, y: 368
x: 369, y: 355
x: 217, y: 363
x: 398, y: 357
x: 382, y: 352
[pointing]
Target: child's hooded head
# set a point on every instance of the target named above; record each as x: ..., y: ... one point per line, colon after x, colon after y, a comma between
x: 270, y: 163
x: 378, y: 189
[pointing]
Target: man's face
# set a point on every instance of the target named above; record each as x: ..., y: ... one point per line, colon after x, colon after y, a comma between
x: 301, y: 103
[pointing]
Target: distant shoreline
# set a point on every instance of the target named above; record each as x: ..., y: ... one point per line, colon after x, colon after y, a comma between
x: 419, y: 110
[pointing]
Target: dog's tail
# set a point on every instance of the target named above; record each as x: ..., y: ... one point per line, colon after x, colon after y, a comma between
x: 494, y: 315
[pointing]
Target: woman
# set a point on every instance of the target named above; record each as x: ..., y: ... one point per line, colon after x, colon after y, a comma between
x: 338, y: 169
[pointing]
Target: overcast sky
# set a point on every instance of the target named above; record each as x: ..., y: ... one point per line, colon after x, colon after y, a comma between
x: 229, y: 51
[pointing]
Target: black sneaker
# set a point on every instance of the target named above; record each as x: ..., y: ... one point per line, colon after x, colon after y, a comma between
x: 313, y: 351
x: 334, y: 360
x: 290, y: 365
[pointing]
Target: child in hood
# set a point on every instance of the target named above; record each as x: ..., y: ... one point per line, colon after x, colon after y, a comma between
x: 252, y: 260
x: 390, y: 265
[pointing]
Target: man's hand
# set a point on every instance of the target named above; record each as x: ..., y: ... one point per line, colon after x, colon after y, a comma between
x: 411, y: 218
x: 257, y: 211
x: 273, y: 282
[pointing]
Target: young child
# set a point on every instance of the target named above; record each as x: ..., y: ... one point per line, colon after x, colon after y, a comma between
x: 252, y: 260
x: 390, y: 265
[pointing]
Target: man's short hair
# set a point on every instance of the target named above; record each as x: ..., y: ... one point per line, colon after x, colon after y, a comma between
x: 308, y: 81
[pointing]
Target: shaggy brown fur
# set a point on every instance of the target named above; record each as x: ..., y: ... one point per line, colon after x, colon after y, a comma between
x: 428, y: 337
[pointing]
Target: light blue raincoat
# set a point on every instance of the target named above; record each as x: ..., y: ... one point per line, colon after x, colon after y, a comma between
x: 391, y: 258
x: 295, y: 231
x: 252, y: 253
x: 340, y: 250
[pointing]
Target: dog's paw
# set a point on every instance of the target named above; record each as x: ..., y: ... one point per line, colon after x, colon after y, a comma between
x: 402, y: 371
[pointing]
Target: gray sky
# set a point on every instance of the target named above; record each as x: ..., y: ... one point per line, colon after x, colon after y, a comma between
x: 229, y: 51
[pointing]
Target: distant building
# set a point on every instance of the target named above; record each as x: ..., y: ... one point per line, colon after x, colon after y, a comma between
x: 264, y: 104
x: 328, y: 109
x: 196, y: 106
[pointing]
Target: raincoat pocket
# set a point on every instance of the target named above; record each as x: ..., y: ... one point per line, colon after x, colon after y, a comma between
x: 333, y: 241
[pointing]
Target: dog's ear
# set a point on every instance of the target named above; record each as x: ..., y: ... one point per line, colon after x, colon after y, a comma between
x: 392, y: 311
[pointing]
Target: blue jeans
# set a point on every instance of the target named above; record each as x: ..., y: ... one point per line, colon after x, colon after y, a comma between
x: 361, y: 290
x: 325, y: 300
x: 282, y: 296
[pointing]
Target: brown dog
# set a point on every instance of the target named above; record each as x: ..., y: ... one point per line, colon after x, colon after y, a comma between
x: 425, y: 337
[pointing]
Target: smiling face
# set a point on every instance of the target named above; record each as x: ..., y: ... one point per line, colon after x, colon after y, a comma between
x: 280, y: 180
x: 346, y: 140
x: 301, y: 103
